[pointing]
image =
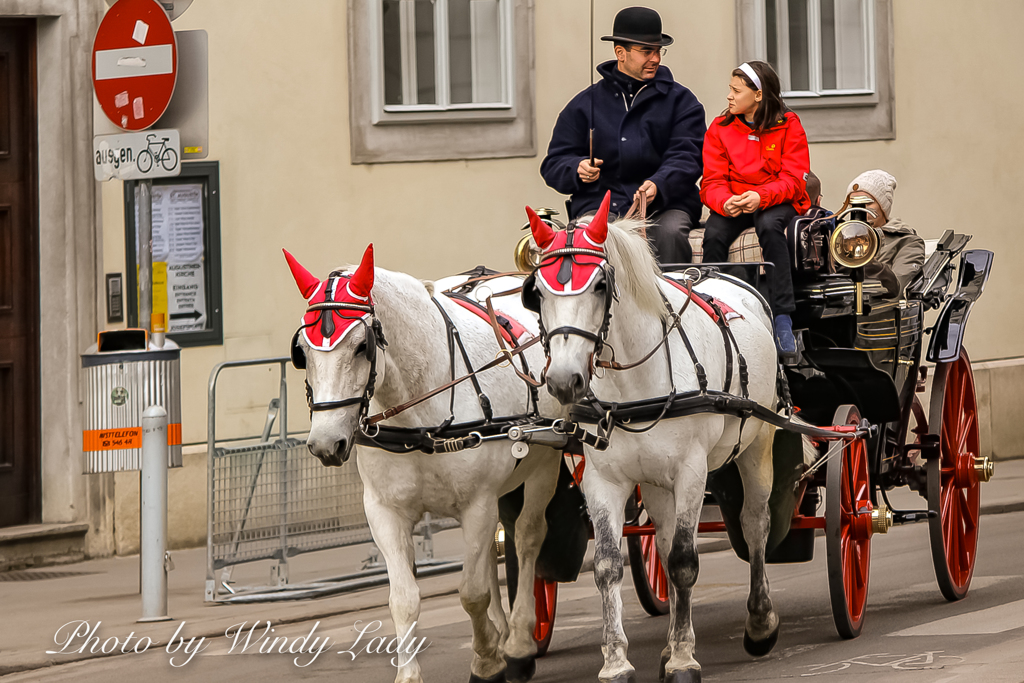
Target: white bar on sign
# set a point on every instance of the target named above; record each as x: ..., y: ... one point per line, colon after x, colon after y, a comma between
x: 134, y: 61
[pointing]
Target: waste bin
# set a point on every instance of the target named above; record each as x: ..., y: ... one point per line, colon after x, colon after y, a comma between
x: 124, y: 375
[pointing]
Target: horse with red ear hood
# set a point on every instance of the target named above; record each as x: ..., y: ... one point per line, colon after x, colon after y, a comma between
x: 351, y: 370
x: 599, y: 291
x: 337, y: 307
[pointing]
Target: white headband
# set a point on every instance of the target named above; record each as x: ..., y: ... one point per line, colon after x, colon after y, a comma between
x: 749, y: 70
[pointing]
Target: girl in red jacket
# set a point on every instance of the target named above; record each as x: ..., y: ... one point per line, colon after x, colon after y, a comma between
x: 755, y: 165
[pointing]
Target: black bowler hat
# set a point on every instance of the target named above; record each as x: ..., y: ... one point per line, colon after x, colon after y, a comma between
x: 638, y: 25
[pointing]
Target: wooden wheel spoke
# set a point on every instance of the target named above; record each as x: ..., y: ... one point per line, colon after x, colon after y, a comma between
x: 945, y: 438
x: 963, y: 392
x: 858, y: 566
x: 965, y: 431
x: 970, y: 514
x: 952, y: 531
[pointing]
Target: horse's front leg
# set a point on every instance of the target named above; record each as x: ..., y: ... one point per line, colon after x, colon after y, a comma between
x: 479, y: 520
x: 661, y: 507
x: 606, y: 501
x: 531, y: 529
x: 682, y: 566
x: 392, y: 532
x: 755, y: 464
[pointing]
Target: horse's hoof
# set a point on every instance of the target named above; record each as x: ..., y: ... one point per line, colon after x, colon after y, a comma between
x: 683, y: 676
x: 759, y: 648
x: 628, y: 677
x: 496, y: 678
x: 520, y: 669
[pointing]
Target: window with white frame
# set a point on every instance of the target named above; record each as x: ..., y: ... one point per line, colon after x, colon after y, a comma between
x: 821, y: 47
x: 430, y: 80
x: 443, y: 56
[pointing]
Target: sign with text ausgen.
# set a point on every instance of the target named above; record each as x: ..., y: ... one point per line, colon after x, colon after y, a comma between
x: 137, y: 156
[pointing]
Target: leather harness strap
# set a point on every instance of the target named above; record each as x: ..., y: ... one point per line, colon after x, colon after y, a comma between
x: 638, y: 211
x: 465, y: 286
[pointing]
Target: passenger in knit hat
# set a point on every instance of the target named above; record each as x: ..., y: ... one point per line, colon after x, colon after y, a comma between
x: 878, y: 184
x: 901, y: 253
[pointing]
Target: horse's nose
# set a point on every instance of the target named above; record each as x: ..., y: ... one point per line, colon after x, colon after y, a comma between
x: 332, y: 456
x: 567, y: 387
x: 341, y: 451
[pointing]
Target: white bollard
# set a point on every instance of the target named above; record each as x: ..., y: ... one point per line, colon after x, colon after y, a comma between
x: 153, y: 537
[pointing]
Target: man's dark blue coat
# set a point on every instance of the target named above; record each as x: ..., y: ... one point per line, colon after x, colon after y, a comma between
x: 659, y: 137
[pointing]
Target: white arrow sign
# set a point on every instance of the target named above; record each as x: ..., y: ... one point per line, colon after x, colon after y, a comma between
x: 137, y: 156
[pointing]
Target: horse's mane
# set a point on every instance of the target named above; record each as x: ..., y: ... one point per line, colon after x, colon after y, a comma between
x: 636, y: 270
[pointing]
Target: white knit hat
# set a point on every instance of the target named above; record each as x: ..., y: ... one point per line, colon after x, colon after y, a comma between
x: 878, y: 184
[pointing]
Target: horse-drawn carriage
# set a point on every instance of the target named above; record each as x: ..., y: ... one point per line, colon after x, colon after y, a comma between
x: 766, y: 442
x: 860, y: 372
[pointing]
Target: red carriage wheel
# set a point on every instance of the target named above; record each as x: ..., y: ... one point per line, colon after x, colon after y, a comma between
x: 954, y: 477
x: 645, y: 566
x: 545, y: 595
x: 848, y: 529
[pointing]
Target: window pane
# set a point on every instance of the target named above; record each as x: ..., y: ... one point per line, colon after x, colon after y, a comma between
x: 425, y: 52
x: 771, y: 33
x: 474, y: 50
x: 851, y: 37
x: 408, y: 42
x: 392, y: 53
x: 460, y: 48
x: 828, y: 44
x: 799, y: 63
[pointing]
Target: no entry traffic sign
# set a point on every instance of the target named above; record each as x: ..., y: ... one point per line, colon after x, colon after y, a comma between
x: 134, y: 63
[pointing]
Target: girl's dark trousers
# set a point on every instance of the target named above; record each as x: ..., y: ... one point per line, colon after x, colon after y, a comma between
x: 770, y: 225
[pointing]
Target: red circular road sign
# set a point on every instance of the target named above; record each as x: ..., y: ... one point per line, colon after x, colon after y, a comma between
x: 134, y: 63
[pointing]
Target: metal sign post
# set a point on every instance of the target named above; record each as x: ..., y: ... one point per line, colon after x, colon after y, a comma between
x: 146, y: 254
x: 134, y: 70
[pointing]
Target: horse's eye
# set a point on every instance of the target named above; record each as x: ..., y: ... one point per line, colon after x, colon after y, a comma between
x: 361, y: 349
x: 600, y: 286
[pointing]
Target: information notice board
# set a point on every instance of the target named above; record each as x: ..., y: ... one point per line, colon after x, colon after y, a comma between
x: 186, y: 253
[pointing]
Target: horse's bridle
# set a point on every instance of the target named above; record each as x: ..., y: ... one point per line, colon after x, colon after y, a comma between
x: 374, y: 339
x: 567, y: 255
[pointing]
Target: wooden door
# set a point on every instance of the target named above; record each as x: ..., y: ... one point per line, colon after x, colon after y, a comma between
x: 19, y: 278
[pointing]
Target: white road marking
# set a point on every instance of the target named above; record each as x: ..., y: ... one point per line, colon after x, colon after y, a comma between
x: 992, y: 620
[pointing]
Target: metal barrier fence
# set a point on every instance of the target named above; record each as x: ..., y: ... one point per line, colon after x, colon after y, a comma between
x: 271, y: 500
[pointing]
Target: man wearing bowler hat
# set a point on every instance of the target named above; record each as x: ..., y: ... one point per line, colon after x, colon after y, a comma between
x: 648, y: 136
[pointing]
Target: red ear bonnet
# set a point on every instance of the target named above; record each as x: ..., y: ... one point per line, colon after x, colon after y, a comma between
x: 306, y: 281
x: 325, y: 326
x: 571, y: 274
x: 362, y: 280
x: 597, y: 231
x: 542, y: 232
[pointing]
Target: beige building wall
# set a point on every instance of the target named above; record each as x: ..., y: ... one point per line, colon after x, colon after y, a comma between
x: 279, y: 126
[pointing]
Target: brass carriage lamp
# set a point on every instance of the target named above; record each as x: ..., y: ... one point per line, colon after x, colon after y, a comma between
x: 854, y: 243
x: 526, y: 255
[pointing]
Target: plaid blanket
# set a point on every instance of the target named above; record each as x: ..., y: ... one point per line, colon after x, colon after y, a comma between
x: 745, y: 248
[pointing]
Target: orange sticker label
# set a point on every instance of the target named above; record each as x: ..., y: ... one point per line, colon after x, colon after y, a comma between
x: 174, y: 434
x: 111, y: 439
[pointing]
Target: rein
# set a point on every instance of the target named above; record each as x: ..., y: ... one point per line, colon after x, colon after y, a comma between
x: 391, y: 412
x: 675, y: 317
x: 464, y: 287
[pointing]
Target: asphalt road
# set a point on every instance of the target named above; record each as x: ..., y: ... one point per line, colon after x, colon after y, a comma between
x: 911, y: 635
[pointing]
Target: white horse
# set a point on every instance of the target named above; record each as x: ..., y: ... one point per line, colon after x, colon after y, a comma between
x: 340, y: 363
x: 574, y: 292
